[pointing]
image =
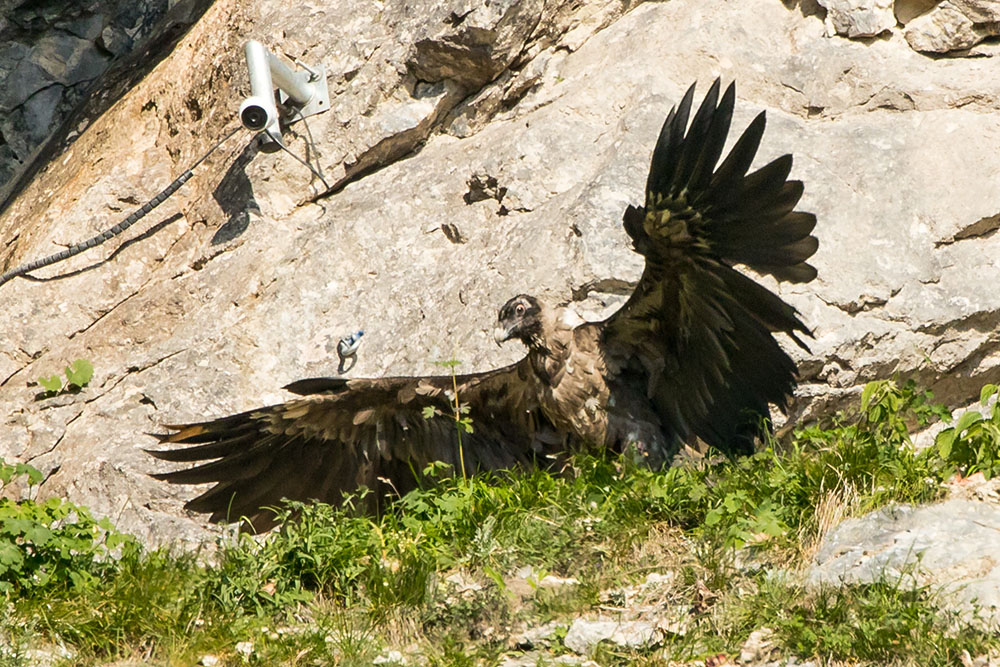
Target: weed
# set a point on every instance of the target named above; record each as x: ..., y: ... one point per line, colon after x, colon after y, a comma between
x: 972, y: 443
x: 52, y: 545
x: 876, y: 623
x: 334, y: 585
x: 460, y: 411
x: 78, y: 375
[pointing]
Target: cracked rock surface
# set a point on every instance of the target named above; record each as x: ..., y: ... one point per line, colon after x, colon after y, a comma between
x: 948, y: 547
x: 950, y: 27
x: 471, y: 154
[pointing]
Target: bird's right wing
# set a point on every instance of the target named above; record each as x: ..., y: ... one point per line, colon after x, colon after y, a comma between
x: 347, y: 433
x: 696, y: 330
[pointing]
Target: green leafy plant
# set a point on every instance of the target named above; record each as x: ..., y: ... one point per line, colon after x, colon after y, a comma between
x: 51, y: 384
x: 892, y: 408
x: 78, y: 375
x: 973, y: 443
x: 53, y: 544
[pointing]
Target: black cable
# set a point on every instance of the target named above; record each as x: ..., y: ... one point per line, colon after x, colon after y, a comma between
x: 277, y: 140
x: 77, y: 248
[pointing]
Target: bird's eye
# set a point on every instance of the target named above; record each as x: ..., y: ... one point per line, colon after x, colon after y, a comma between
x: 519, y: 309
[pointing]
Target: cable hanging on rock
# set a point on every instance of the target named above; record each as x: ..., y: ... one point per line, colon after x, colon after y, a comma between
x: 134, y: 217
x: 306, y: 91
x: 308, y: 166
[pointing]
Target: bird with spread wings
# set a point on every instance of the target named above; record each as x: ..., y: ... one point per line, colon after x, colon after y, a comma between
x: 690, y: 355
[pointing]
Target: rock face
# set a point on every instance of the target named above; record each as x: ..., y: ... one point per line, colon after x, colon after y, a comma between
x: 52, y: 56
x: 930, y: 26
x: 471, y: 153
x: 950, y: 547
x: 583, y: 635
x: 954, y: 26
x: 860, y: 18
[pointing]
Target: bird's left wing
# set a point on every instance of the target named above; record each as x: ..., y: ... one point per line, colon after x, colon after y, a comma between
x: 347, y: 433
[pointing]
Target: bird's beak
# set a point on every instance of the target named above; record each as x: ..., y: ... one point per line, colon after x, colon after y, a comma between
x: 500, y: 334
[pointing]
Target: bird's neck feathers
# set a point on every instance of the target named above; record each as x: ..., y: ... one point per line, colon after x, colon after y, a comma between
x: 555, y: 331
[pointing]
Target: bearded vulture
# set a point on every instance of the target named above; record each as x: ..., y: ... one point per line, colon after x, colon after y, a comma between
x: 690, y: 355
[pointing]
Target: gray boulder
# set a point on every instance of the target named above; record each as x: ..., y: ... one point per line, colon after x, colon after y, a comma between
x: 949, y: 547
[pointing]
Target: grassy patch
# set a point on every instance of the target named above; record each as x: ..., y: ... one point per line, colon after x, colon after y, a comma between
x: 435, y: 575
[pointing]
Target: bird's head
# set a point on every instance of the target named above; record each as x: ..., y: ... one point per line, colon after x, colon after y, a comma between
x: 520, y: 318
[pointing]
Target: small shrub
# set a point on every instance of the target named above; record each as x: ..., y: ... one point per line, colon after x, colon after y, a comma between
x: 51, y: 545
x: 973, y: 444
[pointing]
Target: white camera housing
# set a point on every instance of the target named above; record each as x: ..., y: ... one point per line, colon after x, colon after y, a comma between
x: 306, y: 90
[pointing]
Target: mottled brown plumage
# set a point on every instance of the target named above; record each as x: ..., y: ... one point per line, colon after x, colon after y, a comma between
x: 690, y: 355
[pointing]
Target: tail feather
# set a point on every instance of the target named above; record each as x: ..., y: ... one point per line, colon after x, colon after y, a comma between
x: 212, y: 450
x: 759, y: 227
x: 781, y: 203
x: 715, y: 141
x: 206, y: 431
x: 243, y: 465
x: 766, y: 182
x: 765, y: 253
x: 317, y: 385
x: 239, y: 500
x: 740, y: 247
x: 210, y: 500
x: 728, y: 238
x: 765, y: 305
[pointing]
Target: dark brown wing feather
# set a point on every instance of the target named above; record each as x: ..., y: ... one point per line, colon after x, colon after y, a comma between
x: 349, y: 433
x: 695, y: 328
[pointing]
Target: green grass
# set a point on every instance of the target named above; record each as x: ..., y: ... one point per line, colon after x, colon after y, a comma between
x: 335, y: 586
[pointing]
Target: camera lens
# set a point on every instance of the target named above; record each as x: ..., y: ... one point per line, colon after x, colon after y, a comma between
x: 254, y: 117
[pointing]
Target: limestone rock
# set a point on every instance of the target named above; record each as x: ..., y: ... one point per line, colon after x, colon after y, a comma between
x: 931, y: 26
x: 584, y: 634
x: 246, y: 278
x: 979, y: 11
x: 536, y: 637
x: 47, y: 656
x: 51, y: 54
x: 988, y: 660
x: 471, y: 43
x: 949, y: 546
x: 860, y: 18
x: 758, y: 646
x: 907, y: 10
x: 390, y: 658
x: 533, y: 579
x: 534, y: 658
x: 953, y: 25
